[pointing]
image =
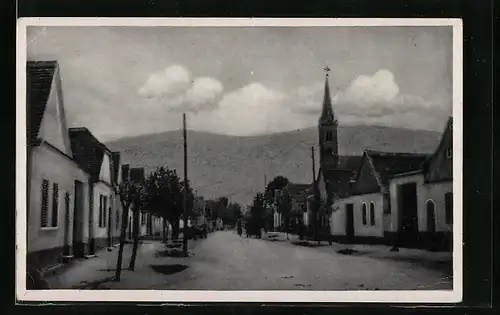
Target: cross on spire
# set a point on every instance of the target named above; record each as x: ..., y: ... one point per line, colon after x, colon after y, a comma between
x: 327, y: 70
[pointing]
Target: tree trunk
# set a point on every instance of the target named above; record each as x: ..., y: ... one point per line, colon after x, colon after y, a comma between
x: 136, y: 213
x: 122, y: 242
x: 164, y: 233
x: 175, y: 229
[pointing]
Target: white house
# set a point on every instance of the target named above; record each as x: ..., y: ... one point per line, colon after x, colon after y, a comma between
x: 97, y: 161
x: 56, y: 205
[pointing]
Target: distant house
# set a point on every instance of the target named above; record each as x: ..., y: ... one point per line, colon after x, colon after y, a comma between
x: 104, y: 207
x: 298, y: 194
x: 57, y: 207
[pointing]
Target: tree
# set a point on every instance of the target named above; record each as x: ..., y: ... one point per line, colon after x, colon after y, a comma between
x: 165, y: 197
x: 278, y: 183
x: 137, y: 206
x: 257, y: 214
x: 128, y: 192
x: 284, y: 207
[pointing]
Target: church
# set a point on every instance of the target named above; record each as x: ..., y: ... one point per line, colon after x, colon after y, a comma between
x: 392, y: 198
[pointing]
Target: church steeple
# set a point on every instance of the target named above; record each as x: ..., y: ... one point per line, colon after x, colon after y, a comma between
x: 327, y: 127
x: 327, y: 115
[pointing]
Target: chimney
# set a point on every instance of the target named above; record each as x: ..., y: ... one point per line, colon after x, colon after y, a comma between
x: 125, y: 172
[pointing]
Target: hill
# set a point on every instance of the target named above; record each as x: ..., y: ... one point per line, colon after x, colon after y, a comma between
x: 220, y: 165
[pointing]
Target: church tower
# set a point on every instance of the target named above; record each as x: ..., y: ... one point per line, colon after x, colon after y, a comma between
x: 327, y: 127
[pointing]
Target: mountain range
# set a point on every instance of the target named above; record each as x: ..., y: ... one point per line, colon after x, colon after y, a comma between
x: 238, y: 167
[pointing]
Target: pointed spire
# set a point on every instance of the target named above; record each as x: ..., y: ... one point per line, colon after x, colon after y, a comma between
x: 327, y: 115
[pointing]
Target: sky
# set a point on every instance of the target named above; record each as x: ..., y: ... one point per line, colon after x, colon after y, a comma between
x: 242, y: 81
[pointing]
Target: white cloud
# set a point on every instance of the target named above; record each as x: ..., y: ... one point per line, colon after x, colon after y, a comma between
x: 170, y: 81
x: 251, y: 110
x: 203, y: 93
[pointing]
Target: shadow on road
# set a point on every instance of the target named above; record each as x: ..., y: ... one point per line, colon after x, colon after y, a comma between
x: 94, y: 284
x: 308, y: 244
x: 170, y: 253
x: 168, y: 269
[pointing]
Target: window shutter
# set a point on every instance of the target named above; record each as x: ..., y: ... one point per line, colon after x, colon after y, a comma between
x: 45, y: 205
x: 55, y: 204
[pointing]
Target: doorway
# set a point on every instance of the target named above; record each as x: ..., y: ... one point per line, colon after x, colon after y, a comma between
x: 349, y: 221
x: 431, y: 217
x: 78, y: 247
x: 407, y: 199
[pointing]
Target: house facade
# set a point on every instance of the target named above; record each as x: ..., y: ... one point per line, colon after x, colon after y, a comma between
x: 56, y: 218
x: 362, y: 214
x: 401, y: 199
x: 432, y: 188
x: 104, y: 206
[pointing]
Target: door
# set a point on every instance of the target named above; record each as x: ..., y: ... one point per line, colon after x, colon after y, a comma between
x: 349, y: 222
x: 67, y: 223
x: 407, y: 194
x: 431, y: 218
x: 78, y: 247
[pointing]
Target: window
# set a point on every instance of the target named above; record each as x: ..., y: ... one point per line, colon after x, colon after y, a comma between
x: 45, y: 204
x: 364, y: 213
x: 102, y: 210
x: 105, y: 211
x: 328, y: 136
x: 448, y: 199
x: 55, y: 205
x: 449, y: 153
x: 372, y: 213
x: 117, y: 219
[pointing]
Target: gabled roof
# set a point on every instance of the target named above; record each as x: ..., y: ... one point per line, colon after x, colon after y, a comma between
x: 387, y: 164
x: 338, y: 182
x: 88, y: 152
x: 350, y: 162
x: 447, y: 131
x: 39, y: 75
x: 295, y: 189
x: 298, y: 192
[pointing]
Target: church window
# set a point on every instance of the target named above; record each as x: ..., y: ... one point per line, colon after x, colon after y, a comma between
x: 328, y: 136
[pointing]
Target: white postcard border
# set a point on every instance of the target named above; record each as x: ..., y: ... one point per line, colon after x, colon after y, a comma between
x: 449, y: 296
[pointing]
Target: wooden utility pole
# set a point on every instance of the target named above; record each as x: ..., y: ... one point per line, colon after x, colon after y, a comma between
x: 315, y: 203
x: 313, y: 164
x: 185, y: 231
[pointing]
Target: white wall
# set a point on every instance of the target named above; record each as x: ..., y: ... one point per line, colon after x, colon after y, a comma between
x: 436, y: 192
x: 393, y: 188
x: 101, y: 188
x: 47, y: 163
x: 51, y: 127
x: 338, y: 218
x: 105, y: 172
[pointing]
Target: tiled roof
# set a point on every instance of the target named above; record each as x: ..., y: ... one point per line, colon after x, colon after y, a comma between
x: 39, y: 75
x: 298, y: 192
x: 350, y: 162
x: 338, y: 181
x: 388, y: 164
x: 137, y: 174
x: 88, y: 152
